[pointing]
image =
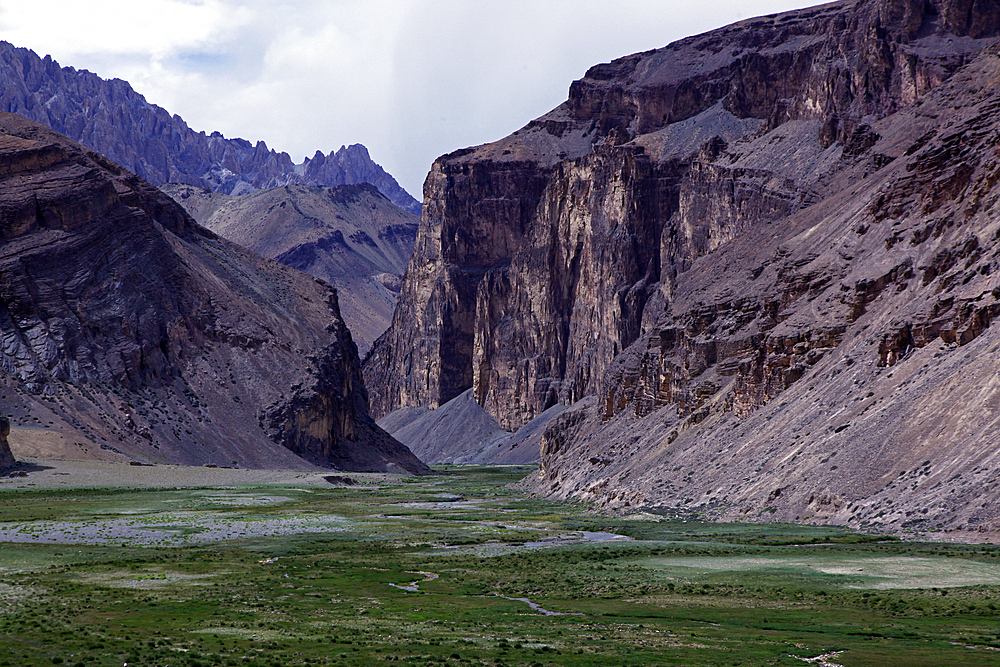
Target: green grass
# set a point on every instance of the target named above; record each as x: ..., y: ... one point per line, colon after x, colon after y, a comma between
x: 682, y: 593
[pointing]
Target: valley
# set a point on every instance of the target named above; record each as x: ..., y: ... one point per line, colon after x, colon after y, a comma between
x: 456, y: 568
x: 697, y: 368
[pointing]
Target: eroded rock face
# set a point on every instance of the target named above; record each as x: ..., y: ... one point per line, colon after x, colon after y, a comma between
x: 351, y: 236
x: 138, y: 334
x: 6, y: 456
x: 838, y: 367
x: 701, y: 241
x: 117, y: 122
x: 538, y: 253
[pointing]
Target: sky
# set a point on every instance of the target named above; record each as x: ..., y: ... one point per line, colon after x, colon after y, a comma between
x: 409, y: 79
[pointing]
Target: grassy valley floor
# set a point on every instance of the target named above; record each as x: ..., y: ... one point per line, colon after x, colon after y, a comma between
x: 243, y: 568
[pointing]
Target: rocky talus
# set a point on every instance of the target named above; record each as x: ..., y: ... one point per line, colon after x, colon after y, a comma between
x: 760, y: 265
x: 350, y: 236
x: 109, y: 117
x: 132, y: 333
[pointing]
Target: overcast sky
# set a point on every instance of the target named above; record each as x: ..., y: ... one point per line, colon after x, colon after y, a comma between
x: 409, y: 79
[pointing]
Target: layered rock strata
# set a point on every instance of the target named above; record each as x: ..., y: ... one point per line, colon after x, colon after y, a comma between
x: 844, y: 372
x: 697, y: 246
x: 137, y: 334
x: 350, y: 236
x: 109, y: 117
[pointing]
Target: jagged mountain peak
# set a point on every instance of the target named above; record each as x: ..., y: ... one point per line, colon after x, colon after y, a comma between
x: 116, y: 121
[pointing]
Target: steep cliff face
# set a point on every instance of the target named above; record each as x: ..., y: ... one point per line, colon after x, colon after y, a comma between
x: 702, y: 229
x: 6, y: 456
x: 117, y: 122
x: 136, y: 333
x: 351, y: 236
x: 840, y: 366
x: 538, y: 253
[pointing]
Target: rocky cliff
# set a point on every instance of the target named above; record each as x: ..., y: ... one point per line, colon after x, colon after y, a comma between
x: 117, y: 122
x: 350, y: 236
x: 137, y: 334
x: 758, y: 261
x: 6, y: 456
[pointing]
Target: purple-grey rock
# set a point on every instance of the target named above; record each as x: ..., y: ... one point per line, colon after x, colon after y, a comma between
x: 758, y: 263
x: 351, y: 236
x: 133, y: 331
x: 109, y: 117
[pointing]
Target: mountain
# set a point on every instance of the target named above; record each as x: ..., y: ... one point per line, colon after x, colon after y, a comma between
x: 129, y: 332
x: 760, y: 264
x: 351, y: 236
x: 462, y: 432
x: 457, y: 432
x: 117, y: 122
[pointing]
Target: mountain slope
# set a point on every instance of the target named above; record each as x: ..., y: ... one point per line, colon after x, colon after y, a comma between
x: 461, y: 432
x: 136, y: 334
x: 846, y: 372
x: 690, y: 245
x: 457, y: 432
x: 350, y: 236
x: 117, y: 122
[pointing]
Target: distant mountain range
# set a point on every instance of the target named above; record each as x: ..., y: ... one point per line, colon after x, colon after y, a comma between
x: 350, y: 236
x: 111, y: 118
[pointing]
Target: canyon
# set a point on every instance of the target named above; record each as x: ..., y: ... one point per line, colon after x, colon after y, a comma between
x: 758, y: 265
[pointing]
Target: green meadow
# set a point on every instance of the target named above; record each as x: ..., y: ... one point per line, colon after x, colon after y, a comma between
x: 462, y: 569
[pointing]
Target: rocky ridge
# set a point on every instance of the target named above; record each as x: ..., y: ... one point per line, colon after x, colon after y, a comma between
x: 136, y: 334
x: 109, y: 117
x: 350, y: 236
x: 711, y: 249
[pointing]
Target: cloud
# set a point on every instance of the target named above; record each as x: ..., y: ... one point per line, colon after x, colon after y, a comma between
x: 410, y: 79
x: 159, y: 27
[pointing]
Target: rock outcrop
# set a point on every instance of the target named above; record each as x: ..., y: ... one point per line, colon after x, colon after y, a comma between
x: 711, y: 248
x: 6, y: 456
x: 109, y: 117
x: 138, y: 334
x: 350, y: 236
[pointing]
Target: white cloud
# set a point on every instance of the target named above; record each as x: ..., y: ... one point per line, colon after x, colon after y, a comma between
x: 410, y: 79
x: 156, y: 27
